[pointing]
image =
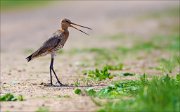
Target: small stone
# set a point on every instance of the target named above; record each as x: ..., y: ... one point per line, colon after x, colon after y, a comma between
x: 19, y: 70
x: 41, y: 83
x: 12, y: 106
x: 43, y: 104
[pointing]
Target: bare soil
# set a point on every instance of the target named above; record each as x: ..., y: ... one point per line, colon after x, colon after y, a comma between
x: 28, y: 29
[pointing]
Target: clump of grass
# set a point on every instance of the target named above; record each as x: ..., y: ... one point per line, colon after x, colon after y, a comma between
x: 168, y: 65
x: 115, y: 67
x: 158, y: 95
x: 42, y: 109
x: 99, y: 75
x: 77, y: 91
x: 11, y: 97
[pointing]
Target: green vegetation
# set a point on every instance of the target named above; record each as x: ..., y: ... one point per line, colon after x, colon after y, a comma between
x: 77, y: 91
x: 19, y: 4
x: 114, y: 67
x: 158, y: 94
x: 76, y: 83
x: 11, y: 97
x: 99, y: 75
x: 42, y: 109
x: 100, y: 56
x: 168, y: 65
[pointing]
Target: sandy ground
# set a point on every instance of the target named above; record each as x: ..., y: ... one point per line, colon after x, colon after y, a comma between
x: 27, y: 29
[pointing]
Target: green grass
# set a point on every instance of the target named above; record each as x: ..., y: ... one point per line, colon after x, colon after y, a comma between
x: 114, y: 67
x: 157, y: 95
x: 21, y: 4
x: 11, y: 97
x: 99, y: 75
x: 168, y: 65
x: 42, y: 109
x: 77, y: 91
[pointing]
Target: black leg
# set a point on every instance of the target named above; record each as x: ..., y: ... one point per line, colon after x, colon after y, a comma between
x: 51, y: 77
x: 56, y: 77
x: 52, y: 68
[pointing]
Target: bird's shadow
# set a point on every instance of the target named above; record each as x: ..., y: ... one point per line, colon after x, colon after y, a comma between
x: 71, y: 86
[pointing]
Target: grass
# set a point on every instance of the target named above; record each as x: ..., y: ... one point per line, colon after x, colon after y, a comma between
x: 165, y: 43
x: 99, y: 75
x: 114, y: 67
x: 11, y: 97
x: 168, y: 65
x: 159, y: 94
x: 42, y: 109
x: 77, y: 91
x: 21, y: 4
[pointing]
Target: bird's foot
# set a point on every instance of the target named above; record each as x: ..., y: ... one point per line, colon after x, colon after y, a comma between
x: 61, y: 84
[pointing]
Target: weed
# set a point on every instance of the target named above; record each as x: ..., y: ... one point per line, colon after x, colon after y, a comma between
x: 11, y: 97
x: 90, y: 92
x: 99, y: 75
x: 77, y: 91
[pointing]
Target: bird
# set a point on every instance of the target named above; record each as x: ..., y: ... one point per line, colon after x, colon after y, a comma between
x: 55, y: 43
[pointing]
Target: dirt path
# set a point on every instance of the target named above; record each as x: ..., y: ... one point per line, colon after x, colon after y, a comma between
x: 28, y: 29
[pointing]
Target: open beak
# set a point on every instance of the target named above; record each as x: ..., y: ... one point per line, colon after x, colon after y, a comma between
x: 71, y: 24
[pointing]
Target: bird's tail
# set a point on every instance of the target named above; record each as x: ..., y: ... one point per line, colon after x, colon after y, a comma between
x: 29, y: 58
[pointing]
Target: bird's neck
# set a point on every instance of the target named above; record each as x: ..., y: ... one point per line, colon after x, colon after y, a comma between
x: 64, y: 30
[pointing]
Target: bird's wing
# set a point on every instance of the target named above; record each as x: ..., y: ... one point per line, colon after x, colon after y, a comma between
x: 47, y: 46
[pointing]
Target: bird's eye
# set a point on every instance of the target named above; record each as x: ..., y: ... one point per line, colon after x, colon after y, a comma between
x: 67, y: 21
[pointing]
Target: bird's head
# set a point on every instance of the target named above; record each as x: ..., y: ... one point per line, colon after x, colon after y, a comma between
x: 65, y: 23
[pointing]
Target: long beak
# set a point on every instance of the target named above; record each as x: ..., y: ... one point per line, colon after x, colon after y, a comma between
x: 80, y: 26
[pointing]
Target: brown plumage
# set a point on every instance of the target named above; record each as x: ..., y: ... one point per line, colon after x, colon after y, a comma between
x: 55, y: 43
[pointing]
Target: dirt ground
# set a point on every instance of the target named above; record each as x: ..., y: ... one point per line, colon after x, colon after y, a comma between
x: 27, y: 29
